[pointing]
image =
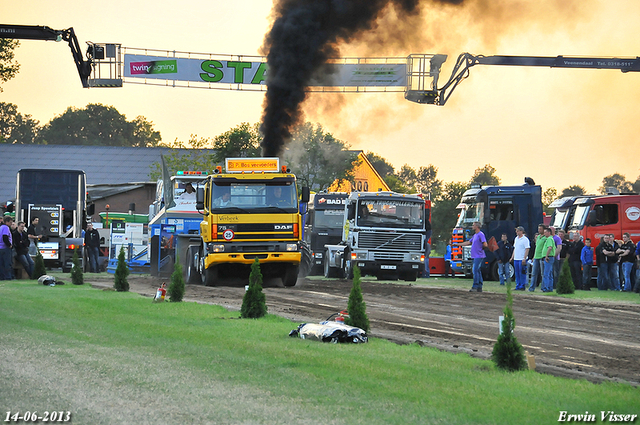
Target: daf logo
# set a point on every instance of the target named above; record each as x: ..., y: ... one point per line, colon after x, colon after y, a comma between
x: 283, y: 226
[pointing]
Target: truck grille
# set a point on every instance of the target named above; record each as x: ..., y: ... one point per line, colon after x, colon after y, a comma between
x: 394, y: 256
x: 390, y: 241
x: 259, y: 231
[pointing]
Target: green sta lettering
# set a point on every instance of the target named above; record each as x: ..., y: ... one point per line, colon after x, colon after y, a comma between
x: 260, y: 74
x: 239, y: 67
x: 212, y: 72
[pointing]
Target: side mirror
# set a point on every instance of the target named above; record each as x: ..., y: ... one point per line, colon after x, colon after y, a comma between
x: 592, y: 220
x: 306, y: 195
x: 351, y: 211
x: 91, y: 209
x: 200, y: 198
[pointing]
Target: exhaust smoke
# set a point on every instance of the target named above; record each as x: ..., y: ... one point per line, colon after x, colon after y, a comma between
x: 305, y: 33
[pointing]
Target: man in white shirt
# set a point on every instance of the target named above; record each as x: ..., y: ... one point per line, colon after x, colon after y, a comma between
x: 519, y: 257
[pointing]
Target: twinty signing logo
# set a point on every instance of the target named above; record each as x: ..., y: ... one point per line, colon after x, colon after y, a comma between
x: 154, y: 67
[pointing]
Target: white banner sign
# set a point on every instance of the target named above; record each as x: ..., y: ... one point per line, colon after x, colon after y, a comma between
x: 241, y: 72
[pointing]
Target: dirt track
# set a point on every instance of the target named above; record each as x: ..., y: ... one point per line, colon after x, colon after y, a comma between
x: 572, y: 338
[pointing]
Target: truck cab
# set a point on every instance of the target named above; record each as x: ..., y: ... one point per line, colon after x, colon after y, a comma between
x: 323, y: 225
x: 174, y: 221
x: 564, y: 209
x: 383, y: 233
x: 596, y: 216
x: 250, y: 211
x: 498, y: 209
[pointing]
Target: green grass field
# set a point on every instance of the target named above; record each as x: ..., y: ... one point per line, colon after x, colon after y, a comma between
x: 113, y: 357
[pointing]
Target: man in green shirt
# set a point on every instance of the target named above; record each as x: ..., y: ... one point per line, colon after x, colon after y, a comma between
x: 536, y: 269
x: 549, y: 251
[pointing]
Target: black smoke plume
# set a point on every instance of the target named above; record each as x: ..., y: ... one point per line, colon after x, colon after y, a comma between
x: 304, y: 35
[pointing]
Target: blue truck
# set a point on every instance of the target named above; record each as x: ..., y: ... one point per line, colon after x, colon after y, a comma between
x: 498, y: 209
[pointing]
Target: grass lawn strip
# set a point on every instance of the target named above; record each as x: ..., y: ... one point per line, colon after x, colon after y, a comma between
x: 190, y: 363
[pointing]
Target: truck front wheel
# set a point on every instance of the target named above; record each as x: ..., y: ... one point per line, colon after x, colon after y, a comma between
x: 328, y: 270
x: 290, y: 275
x: 410, y: 276
x: 210, y: 276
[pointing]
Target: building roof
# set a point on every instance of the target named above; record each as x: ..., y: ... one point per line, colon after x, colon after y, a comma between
x: 102, y: 164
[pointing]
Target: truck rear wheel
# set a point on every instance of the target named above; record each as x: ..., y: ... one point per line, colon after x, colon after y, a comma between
x: 192, y: 276
x: 496, y: 276
x: 291, y: 275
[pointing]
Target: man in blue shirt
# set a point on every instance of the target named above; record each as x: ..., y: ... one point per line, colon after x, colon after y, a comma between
x: 586, y: 257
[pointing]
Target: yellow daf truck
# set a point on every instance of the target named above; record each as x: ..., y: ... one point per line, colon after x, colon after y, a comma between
x: 249, y: 211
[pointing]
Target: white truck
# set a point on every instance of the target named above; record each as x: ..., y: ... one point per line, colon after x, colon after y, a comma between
x: 383, y: 234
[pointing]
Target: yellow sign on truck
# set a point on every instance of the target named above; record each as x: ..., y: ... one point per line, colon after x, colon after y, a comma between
x: 240, y: 165
x: 250, y: 211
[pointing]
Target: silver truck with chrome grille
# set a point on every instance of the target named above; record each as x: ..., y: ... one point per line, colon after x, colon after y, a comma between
x: 383, y: 234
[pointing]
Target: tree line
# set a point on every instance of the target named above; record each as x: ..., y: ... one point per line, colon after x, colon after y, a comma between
x: 95, y: 124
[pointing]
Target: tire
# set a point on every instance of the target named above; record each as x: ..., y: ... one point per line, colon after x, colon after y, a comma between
x: 496, y: 276
x: 210, y: 276
x: 306, y: 260
x: 493, y: 273
x: 347, y: 272
x: 410, y: 276
x: 329, y: 272
x: 291, y: 275
x: 192, y: 276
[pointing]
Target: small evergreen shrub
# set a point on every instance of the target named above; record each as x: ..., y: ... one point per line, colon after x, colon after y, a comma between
x: 122, y: 271
x: 507, y: 353
x: 565, y: 282
x: 254, y: 303
x: 356, y: 306
x: 176, y: 287
x: 38, y: 269
x: 77, y: 277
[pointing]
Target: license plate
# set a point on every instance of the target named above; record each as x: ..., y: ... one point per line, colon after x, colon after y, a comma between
x: 385, y: 267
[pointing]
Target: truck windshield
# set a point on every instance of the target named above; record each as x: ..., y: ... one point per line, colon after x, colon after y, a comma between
x: 559, y: 218
x: 580, y: 216
x: 329, y: 219
x: 254, y: 197
x: 470, y: 213
x: 390, y: 213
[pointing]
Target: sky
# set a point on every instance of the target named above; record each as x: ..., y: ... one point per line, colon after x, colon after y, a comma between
x: 560, y: 127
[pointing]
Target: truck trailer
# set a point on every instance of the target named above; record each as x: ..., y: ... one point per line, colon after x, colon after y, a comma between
x: 59, y: 199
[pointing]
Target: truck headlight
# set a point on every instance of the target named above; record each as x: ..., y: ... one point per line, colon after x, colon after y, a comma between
x: 358, y: 255
x: 417, y: 257
x: 292, y: 247
x: 318, y: 255
x: 218, y: 248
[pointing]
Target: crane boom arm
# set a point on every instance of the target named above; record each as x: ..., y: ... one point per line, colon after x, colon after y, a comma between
x: 36, y: 32
x: 467, y: 60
